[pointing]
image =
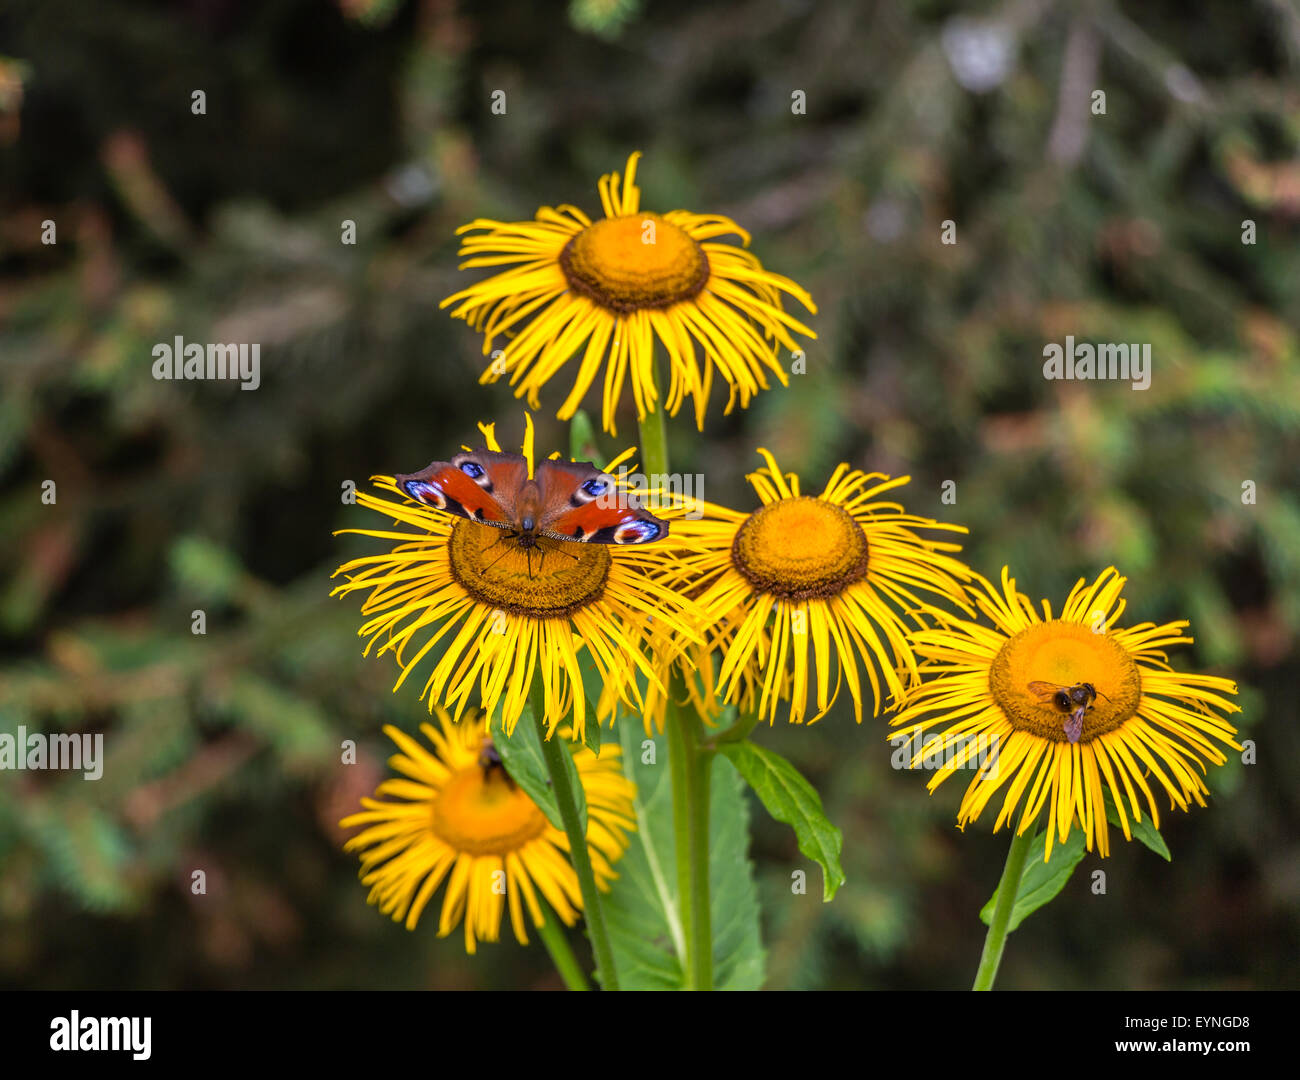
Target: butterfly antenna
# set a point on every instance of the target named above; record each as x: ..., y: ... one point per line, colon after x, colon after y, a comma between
x: 494, y: 561
x: 559, y: 550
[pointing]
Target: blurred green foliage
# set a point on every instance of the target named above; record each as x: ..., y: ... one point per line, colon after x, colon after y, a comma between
x: 223, y: 749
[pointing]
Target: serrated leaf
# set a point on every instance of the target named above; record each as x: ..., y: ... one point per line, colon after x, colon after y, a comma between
x: 789, y: 798
x: 86, y: 851
x: 521, y: 754
x: 1143, y: 831
x: 642, y: 910
x: 1040, y: 881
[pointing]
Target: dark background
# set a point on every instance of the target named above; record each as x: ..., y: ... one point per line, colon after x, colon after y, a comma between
x: 222, y: 750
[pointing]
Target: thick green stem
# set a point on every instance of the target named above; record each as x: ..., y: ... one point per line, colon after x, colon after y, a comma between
x: 552, y: 935
x: 1008, y: 889
x: 654, y: 444
x: 553, y: 751
x: 690, y: 765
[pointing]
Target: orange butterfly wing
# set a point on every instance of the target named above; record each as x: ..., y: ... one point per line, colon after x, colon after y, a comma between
x: 581, y: 503
x: 481, y: 485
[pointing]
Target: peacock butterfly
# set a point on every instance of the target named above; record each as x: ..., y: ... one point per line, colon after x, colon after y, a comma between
x: 565, y: 500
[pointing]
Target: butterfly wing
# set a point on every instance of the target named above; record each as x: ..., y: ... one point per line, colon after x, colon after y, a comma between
x: 480, y: 485
x: 580, y: 503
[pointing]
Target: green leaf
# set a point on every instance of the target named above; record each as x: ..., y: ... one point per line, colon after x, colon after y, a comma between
x: 1143, y: 831
x: 591, y: 735
x: 791, y: 799
x: 86, y: 850
x: 1041, y: 881
x: 642, y: 910
x: 521, y: 754
x: 592, y: 685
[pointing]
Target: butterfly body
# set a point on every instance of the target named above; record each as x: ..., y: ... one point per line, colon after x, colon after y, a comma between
x: 569, y: 501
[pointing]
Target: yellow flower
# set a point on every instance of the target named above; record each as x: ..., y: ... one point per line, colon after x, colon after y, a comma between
x: 458, y: 817
x: 840, y: 571
x: 1147, y: 722
x: 696, y: 670
x: 616, y: 285
x: 502, y: 616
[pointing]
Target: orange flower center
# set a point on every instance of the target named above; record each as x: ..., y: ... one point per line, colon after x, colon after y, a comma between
x: 481, y: 812
x: 547, y: 580
x: 1064, y: 655
x: 634, y: 262
x: 800, y: 549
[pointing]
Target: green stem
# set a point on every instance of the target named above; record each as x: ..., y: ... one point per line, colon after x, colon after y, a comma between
x: 690, y: 769
x: 654, y: 443
x: 552, y: 935
x: 593, y: 912
x: 1008, y: 889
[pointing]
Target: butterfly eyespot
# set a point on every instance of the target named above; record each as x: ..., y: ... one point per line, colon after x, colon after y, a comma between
x: 637, y: 532
x: 427, y: 493
x: 595, y: 486
x: 471, y: 470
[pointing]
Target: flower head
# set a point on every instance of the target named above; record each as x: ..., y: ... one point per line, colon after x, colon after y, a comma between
x: 457, y: 817
x: 1144, y: 725
x: 608, y: 289
x: 809, y: 586
x: 492, y: 615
